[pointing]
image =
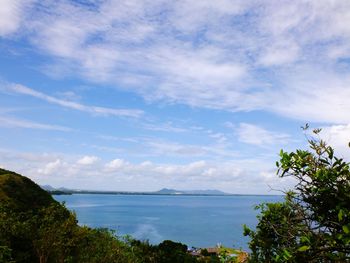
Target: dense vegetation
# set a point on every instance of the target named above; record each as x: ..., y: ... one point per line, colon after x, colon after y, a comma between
x: 36, y: 228
x: 21, y: 194
x: 313, y: 223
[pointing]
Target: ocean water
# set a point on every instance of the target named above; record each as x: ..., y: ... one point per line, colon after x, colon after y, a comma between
x: 199, y: 221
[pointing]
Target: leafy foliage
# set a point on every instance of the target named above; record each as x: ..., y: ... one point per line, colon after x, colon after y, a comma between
x: 5, y: 254
x: 313, y: 223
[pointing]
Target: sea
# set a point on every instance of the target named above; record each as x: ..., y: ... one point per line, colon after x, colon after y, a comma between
x: 197, y: 221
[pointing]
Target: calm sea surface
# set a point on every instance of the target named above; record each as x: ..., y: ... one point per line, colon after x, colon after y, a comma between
x: 200, y: 221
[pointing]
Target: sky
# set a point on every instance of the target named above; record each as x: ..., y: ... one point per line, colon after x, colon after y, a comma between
x: 139, y: 95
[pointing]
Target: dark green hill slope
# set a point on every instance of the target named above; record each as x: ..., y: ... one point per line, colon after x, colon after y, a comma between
x: 21, y: 193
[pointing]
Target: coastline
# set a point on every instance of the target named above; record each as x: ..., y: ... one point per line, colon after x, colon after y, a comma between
x: 74, y: 192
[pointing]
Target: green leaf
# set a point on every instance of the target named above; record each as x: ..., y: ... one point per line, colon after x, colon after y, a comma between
x: 324, y: 161
x: 246, y: 230
x: 340, y: 215
x: 303, y: 248
x: 346, y: 229
x: 330, y: 153
x: 305, y: 239
x: 286, y: 254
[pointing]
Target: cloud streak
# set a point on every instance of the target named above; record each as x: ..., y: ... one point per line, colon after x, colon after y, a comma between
x: 9, y: 122
x: 256, y: 135
x: 20, y: 89
x: 338, y: 136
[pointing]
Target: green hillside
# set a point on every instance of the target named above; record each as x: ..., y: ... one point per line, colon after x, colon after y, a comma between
x: 21, y: 193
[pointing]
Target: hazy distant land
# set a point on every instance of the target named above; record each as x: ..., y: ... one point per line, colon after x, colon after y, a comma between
x: 164, y: 191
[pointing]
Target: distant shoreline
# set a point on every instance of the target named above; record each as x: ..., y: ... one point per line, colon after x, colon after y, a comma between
x: 72, y: 192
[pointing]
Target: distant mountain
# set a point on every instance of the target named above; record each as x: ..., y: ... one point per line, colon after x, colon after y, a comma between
x: 63, y: 189
x: 47, y: 187
x: 166, y: 191
x: 58, y: 191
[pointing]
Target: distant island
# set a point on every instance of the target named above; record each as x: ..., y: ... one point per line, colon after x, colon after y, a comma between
x: 164, y: 191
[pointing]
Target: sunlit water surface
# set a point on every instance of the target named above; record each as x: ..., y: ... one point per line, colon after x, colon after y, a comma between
x: 199, y: 221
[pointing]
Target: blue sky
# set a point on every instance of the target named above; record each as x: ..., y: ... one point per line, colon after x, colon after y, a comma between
x: 140, y: 95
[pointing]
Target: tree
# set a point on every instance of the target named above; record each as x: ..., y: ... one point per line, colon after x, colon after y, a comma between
x: 15, y: 234
x: 53, y: 233
x: 313, y: 222
x: 5, y: 255
x: 102, y: 245
x: 173, y: 252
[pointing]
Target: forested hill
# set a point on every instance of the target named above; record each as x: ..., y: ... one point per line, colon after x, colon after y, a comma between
x: 21, y: 193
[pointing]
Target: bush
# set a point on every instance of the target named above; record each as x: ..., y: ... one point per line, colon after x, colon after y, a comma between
x: 313, y: 223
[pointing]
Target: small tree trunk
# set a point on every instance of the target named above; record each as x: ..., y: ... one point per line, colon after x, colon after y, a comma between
x: 43, y: 259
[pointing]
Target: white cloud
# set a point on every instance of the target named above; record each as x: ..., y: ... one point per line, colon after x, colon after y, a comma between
x: 279, y: 54
x: 10, y: 122
x: 219, y: 137
x: 235, y: 56
x: 191, y: 16
x: 172, y: 148
x: 198, y: 170
x: 116, y: 138
x: 74, y: 105
x: 88, y: 160
x: 220, y: 149
x: 164, y: 127
x: 235, y: 176
x: 313, y: 94
x: 115, y: 165
x: 11, y: 15
x: 256, y: 135
x: 182, y: 67
x: 338, y: 136
x: 51, y: 167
